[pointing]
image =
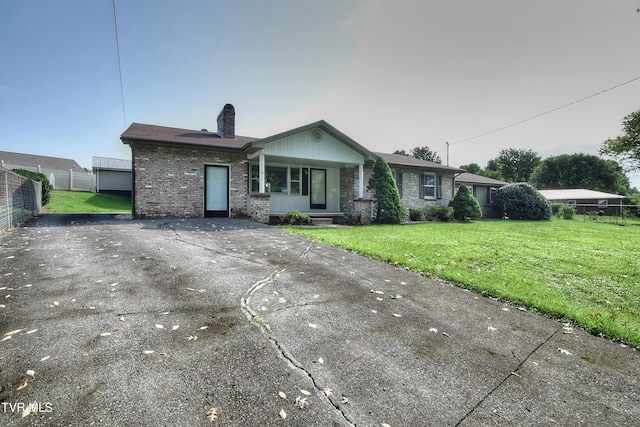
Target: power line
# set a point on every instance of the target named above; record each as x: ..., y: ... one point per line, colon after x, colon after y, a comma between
x: 547, y: 112
x: 115, y: 24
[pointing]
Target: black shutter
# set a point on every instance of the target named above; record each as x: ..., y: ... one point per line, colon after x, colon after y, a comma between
x: 439, y: 186
x: 421, y: 187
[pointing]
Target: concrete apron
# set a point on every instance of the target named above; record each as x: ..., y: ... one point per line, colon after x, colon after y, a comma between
x: 158, y: 322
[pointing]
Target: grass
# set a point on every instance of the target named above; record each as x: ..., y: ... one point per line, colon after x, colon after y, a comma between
x: 83, y: 201
x: 580, y: 271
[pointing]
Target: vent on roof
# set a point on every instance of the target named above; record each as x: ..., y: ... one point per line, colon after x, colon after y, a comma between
x: 227, y: 122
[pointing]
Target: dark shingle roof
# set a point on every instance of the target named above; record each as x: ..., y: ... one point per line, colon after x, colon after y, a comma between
x: 471, y: 178
x: 402, y: 160
x: 143, y: 132
x: 32, y: 161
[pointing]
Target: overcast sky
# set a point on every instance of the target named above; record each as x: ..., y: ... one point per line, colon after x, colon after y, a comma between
x: 390, y: 74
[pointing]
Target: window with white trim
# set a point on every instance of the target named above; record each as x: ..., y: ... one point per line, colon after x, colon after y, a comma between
x: 427, y: 187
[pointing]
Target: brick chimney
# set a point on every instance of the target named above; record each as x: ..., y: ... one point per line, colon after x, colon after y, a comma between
x: 227, y: 122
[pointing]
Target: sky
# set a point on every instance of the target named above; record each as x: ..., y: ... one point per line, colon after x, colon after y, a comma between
x: 390, y: 74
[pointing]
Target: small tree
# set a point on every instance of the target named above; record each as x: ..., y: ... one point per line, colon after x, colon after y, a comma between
x: 389, y: 207
x: 521, y: 201
x: 465, y: 205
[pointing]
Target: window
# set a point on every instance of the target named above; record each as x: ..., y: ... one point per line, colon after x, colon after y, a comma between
x: 397, y: 176
x: 427, y: 187
x: 295, y: 181
x: 254, y: 182
x: 277, y: 179
x: 491, y: 194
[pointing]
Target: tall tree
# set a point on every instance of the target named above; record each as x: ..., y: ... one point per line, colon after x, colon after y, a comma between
x: 514, y: 165
x: 425, y: 153
x: 401, y: 152
x: 389, y: 207
x: 472, y: 168
x: 580, y: 171
x: 626, y: 148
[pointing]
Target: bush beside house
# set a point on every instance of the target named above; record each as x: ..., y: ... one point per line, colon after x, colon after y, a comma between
x: 389, y: 207
x: 465, y: 205
x: 521, y: 201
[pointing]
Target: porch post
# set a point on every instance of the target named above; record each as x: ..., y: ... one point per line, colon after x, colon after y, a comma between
x: 261, y: 173
x: 360, y: 181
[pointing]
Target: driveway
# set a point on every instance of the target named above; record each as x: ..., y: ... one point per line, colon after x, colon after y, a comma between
x: 112, y: 321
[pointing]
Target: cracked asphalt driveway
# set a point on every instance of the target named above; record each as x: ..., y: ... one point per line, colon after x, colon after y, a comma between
x: 109, y: 321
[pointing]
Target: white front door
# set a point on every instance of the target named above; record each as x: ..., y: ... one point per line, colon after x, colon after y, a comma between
x: 216, y: 200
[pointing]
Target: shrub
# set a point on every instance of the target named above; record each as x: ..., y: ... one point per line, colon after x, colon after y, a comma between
x: 383, y: 186
x: 440, y: 212
x: 416, y: 215
x: 295, y: 217
x: 46, y: 185
x: 555, y: 209
x: 465, y: 205
x: 566, y: 211
x: 521, y: 201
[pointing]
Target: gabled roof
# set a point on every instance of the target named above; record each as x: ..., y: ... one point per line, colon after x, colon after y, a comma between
x: 110, y: 163
x: 578, y: 194
x: 32, y: 161
x: 408, y: 161
x: 321, y: 124
x: 153, y: 133
x: 471, y: 178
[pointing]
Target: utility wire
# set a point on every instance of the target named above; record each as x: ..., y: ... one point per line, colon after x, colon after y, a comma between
x: 547, y: 112
x: 115, y: 24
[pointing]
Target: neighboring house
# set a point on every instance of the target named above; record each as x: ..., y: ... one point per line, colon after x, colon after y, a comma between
x: 112, y: 175
x: 483, y: 189
x: 586, y: 200
x: 315, y: 169
x: 63, y: 174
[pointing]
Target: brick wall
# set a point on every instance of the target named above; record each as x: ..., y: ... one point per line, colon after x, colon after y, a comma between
x: 169, y: 181
x: 410, y: 194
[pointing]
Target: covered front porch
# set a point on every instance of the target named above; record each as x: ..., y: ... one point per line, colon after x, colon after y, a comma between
x: 315, y: 170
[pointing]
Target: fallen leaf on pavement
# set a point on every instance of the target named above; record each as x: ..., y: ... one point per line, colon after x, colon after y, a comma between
x: 327, y: 392
x: 15, y: 331
x: 212, y: 414
x: 31, y: 373
x: 563, y: 351
x: 301, y: 402
x: 105, y: 334
x: 305, y: 392
x: 320, y: 360
x: 282, y: 414
x: 175, y: 327
x: 31, y: 331
x: 148, y: 351
x: 23, y: 385
x: 202, y: 328
x: 192, y: 338
x: 313, y: 325
x: 282, y: 395
x: 44, y: 358
x: 159, y: 326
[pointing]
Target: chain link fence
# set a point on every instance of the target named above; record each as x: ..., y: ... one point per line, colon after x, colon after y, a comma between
x: 20, y: 199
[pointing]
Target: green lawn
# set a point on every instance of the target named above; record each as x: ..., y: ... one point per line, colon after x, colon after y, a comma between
x: 581, y: 271
x: 83, y: 201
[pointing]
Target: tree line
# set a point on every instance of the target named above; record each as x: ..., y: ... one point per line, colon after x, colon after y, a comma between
x: 566, y: 170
